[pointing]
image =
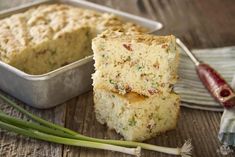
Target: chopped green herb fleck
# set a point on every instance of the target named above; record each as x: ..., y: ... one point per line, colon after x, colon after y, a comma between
x: 132, y: 121
x: 155, y: 84
x: 111, y: 81
x: 128, y: 58
x: 160, y: 118
x: 125, y: 128
x: 53, y: 52
x: 139, y: 67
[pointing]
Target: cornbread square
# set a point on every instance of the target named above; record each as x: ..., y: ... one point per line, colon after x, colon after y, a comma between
x: 47, y: 37
x: 135, y: 62
x: 136, y: 117
x: 51, y: 54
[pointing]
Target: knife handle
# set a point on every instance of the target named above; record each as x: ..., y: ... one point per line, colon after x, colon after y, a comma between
x: 216, y: 85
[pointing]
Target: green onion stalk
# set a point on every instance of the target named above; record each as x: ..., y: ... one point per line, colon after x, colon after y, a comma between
x: 61, y: 140
x: 57, y: 131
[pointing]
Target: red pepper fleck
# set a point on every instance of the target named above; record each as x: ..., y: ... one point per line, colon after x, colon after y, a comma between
x: 128, y: 88
x: 162, y: 84
x: 128, y: 47
x: 152, y: 91
x: 116, y: 86
x: 156, y: 65
x: 164, y: 46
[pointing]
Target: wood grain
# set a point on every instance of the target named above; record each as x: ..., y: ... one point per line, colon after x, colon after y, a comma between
x: 200, y: 24
x: 12, y: 145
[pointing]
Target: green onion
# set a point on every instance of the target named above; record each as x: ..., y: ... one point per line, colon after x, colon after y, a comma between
x: 31, y: 125
x: 184, y: 151
x: 37, y: 119
x: 67, y: 141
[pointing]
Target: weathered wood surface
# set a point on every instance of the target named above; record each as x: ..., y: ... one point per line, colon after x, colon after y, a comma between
x: 199, y: 23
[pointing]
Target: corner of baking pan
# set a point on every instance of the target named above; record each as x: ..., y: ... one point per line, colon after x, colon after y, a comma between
x: 49, y: 74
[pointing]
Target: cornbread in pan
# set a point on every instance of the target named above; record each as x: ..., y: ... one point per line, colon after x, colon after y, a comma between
x: 50, y: 36
x: 136, y: 117
x: 135, y: 62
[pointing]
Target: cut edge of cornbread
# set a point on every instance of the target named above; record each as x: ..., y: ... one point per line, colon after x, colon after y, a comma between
x: 136, y: 117
x: 135, y: 62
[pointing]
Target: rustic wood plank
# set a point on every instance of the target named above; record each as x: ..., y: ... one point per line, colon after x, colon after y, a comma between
x: 15, y: 145
x: 196, y: 22
x: 131, y: 6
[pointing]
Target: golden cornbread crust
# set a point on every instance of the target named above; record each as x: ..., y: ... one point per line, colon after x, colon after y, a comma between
x: 135, y: 36
x: 38, y: 29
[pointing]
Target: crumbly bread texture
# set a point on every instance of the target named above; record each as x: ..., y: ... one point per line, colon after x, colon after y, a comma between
x: 50, y: 36
x: 137, y: 62
x: 136, y: 117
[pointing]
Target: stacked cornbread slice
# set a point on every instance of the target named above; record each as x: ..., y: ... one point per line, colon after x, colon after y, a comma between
x: 133, y: 83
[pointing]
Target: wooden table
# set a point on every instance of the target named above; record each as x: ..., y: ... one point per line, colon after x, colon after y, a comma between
x: 199, y: 23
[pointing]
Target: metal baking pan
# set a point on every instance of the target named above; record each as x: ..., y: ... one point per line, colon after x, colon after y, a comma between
x: 55, y: 87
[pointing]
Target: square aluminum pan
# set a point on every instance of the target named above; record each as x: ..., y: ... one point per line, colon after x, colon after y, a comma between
x: 53, y: 88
